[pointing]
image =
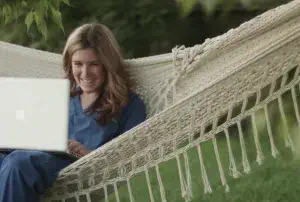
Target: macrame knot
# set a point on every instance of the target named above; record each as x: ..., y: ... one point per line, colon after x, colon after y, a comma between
x: 121, y: 170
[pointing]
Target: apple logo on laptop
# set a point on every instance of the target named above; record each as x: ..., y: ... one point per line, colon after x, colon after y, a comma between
x: 20, y: 114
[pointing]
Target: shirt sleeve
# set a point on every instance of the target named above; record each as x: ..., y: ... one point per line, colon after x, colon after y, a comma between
x: 133, y: 114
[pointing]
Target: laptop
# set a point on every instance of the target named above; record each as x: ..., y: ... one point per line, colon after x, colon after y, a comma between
x: 34, y: 115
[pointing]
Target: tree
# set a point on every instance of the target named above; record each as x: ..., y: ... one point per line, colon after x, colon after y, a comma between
x: 33, y: 11
x: 142, y: 27
x: 210, y: 6
x: 38, y: 11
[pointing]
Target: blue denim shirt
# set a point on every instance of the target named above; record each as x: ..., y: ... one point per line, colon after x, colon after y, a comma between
x: 84, y: 128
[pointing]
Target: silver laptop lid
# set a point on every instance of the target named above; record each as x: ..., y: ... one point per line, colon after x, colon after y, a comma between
x: 34, y: 113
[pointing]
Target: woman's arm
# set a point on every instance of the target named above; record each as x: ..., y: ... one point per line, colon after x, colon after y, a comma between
x: 133, y: 115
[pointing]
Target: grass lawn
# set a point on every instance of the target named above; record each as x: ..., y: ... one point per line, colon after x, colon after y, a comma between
x: 276, y: 180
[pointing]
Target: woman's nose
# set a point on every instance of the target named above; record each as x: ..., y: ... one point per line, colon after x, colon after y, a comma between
x: 85, y: 70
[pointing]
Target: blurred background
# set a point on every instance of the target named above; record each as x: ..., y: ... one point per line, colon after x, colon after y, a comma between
x: 142, y: 27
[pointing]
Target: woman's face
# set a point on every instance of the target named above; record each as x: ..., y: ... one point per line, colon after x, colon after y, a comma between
x: 87, y: 70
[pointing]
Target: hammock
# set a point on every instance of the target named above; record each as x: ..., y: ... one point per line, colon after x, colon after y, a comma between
x: 185, y: 91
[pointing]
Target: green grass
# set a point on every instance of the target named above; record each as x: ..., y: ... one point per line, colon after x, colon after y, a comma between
x: 275, y: 180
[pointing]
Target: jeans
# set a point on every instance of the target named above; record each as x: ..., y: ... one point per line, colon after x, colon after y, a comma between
x: 25, y: 175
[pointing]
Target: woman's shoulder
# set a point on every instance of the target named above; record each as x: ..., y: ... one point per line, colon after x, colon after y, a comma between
x: 135, y: 103
x: 133, y: 113
x: 134, y: 100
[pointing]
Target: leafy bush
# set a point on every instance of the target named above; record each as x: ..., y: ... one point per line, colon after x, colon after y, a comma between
x: 142, y: 27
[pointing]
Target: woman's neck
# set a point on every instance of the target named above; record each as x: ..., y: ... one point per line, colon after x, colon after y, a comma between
x: 87, y: 99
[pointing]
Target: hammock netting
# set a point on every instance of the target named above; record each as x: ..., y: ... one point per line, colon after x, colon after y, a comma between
x: 186, y: 92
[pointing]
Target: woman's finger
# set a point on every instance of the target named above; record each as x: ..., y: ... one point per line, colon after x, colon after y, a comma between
x: 77, y: 149
x: 83, y: 151
x: 73, y: 145
x: 71, y: 142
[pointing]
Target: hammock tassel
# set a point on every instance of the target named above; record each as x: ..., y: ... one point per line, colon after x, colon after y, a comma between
x: 296, y: 107
x: 183, y: 183
x: 105, y: 193
x: 130, y: 191
x: 272, y: 142
x: 88, y: 197
x: 287, y: 137
x: 245, y: 160
x: 161, y: 186
x: 188, y: 176
x: 232, y: 168
x: 116, y: 192
x: 259, y: 153
x: 222, y: 176
x: 149, y: 185
x: 207, y: 187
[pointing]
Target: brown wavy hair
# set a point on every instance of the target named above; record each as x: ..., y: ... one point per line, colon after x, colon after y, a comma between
x: 116, y: 85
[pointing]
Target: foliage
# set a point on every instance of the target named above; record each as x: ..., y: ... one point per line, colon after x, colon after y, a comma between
x: 186, y: 6
x: 135, y: 23
x: 33, y: 11
x: 142, y: 27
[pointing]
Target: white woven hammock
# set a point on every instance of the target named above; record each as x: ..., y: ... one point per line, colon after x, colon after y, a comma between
x: 184, y: 91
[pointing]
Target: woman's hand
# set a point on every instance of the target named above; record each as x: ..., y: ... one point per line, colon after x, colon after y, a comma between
x: 77, y: 148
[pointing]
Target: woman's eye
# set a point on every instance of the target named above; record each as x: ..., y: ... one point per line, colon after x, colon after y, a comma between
x: 77, y: 64
x: 95, y: 64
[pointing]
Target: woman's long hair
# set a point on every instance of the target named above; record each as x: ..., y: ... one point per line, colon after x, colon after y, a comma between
x: 116, y: 84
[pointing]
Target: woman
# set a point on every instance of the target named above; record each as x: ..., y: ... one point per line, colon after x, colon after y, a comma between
x: 102, y: 106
